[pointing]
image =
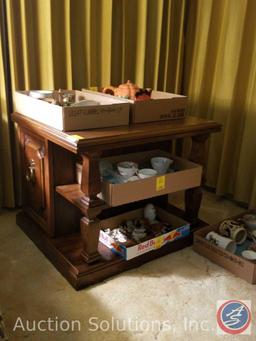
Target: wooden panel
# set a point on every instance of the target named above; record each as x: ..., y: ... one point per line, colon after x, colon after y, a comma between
x: 37, y: 180
x: 67, y: 217
x: 63, y: 166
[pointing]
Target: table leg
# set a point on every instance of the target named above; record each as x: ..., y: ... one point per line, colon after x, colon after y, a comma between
x: 89, y: 224
x: 90, y: 229
x: 193, y: 196
x: 91, y: 184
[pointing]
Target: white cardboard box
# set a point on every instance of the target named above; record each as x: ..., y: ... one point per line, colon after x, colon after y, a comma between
x: 111, y: 112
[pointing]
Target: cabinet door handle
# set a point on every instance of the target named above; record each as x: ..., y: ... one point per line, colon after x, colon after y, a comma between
x: 31, y: 172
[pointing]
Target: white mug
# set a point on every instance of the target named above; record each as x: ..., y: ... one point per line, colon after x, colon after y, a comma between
x: 223, y: 242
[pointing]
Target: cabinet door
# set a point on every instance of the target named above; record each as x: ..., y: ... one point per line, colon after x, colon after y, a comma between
x: 36, y: 191
x: 34, y: 173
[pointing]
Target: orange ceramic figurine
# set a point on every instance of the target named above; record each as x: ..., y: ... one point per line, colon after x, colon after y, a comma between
x: 128, y: 90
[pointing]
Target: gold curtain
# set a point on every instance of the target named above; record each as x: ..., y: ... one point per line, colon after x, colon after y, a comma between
x: 84, y: 43
x: 220, y: 80
x: 6, y: 171
x: 81, y: 43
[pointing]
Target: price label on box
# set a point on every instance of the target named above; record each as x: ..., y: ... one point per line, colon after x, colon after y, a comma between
x: 160, y: 183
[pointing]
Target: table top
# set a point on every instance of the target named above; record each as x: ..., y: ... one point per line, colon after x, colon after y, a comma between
x: 116, y: 137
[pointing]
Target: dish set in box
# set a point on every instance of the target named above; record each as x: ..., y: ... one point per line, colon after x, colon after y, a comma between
x: 160, y: 106
x: 225, y: 257
x: 130, y: 250
x: 107, y: 111
x: 186, y: 175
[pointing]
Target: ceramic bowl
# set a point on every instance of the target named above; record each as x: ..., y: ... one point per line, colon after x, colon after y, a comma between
x: 146, y: 173
x: 127, y: 168
x: 41, y: 94
x: 250, y: 255
x: 250, y: 221
x: 161, y: 164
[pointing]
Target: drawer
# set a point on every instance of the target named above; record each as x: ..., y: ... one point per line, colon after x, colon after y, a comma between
x: 186, y: 175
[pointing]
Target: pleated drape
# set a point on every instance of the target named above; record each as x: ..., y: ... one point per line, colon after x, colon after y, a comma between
x: 75, y: 44
x: 220, y: 81
x: 203, y: 48
x: 6, y: 170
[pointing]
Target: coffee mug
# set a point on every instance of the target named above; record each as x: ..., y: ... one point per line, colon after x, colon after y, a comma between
x: 234, y: 230
x: 223, y: 242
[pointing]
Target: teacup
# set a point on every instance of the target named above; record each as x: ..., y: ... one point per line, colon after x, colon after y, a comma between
x: 146, y: 173
x: 223, y: 242
x: 234, y: 230
x: 250, y: 221
x: 161, y: 164
x: 127, y: 168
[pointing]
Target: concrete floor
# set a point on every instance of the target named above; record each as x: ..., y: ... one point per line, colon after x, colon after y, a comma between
x: 171, y: 298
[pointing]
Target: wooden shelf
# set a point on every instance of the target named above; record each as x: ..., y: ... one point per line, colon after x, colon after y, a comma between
x: 75, y: 196
x: 65, y: 253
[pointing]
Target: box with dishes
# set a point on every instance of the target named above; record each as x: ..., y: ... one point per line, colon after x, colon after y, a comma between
x: 137, y: 176
x: 231, y: 244
x: 148, y: 105
x: 143, y: 230
x: 69, y: 110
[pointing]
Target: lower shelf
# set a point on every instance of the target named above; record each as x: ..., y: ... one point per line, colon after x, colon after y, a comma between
x: 64, y: 253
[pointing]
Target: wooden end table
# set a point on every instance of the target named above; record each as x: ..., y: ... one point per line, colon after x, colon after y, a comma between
x: 63, y: 218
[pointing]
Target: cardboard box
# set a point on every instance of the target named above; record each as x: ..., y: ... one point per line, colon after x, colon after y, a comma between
x: 237, y: 265
x: 162, y: 106
x: 111, y: 112
x: 188, y: 175
x: 181, y: 229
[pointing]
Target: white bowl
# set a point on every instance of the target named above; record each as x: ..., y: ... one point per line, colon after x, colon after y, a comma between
x: 161, y: 164
x: 41, y: 93
x: 127, y: 168
x: 249, y: 254
x: 146, y: 173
